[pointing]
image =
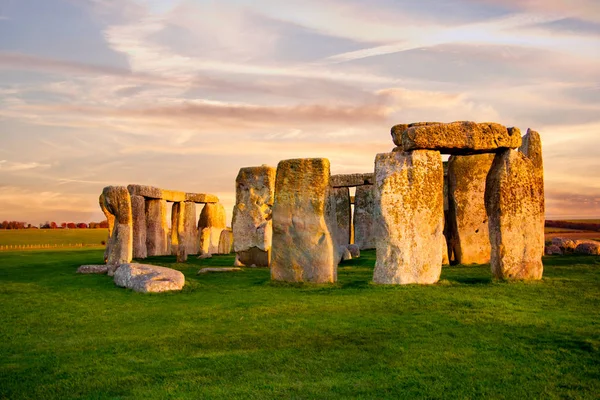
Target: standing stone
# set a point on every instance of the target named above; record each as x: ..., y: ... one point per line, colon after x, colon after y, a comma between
x: 209, y: 241
x: 157, y: 227
x: 251, y: 224
x: 110, y: 219
x: 409, y: 210
x: 213, y: 215
x: 117, y: 201
x: 364, y: 224
x: 468, y: 221
x: 303, y: 250
x: 516, y: 217
x: 190, y: 229
x: 226, y: 241
x: 175, y: 228
x: 532, y: 149
x: 341, y: 232
x: 138, y: 211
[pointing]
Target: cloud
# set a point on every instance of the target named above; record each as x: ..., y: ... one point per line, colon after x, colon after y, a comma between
x: 11, y: 166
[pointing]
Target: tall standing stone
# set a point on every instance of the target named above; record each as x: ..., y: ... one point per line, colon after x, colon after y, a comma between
x: 409, y: 210
x: 226, y: 241
x: 303, y: 250
x: 364, y: 223
x: 175, y: 233
x: 117, y: 201
x: 190, y: 229
x: 251, y: 224
x: 532, y: 149
x: 341, y: 231
x: 468, y: 220
x: 138, y: 211
x: 513, y: 201
x: 110, y: 219
x: 213, y: 215
x: 157, y: 227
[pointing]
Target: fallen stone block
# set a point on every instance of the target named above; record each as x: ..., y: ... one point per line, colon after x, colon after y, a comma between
x: 225, y: 269
x: 146, y: 278
x: 93, y: 269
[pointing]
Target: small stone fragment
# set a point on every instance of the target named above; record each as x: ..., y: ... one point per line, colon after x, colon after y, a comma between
x: 93, y: 269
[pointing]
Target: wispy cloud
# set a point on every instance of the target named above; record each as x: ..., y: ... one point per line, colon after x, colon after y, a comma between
x: 12, y: 166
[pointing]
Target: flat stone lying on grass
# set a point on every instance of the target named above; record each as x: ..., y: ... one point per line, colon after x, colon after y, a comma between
x: 146, y: 278
x: 93, y: 269
x: 588, y: 247
x: 225, y: 269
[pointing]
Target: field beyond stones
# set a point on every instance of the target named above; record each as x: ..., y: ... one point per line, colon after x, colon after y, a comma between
x: 237, y: 335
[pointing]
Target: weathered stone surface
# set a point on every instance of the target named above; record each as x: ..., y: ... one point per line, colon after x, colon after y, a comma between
x: 303, y: 250
x: 409, y: 210
x: 226, y: 241
x: 565, y: 244
x: 213, y: 215
x: 110, y: 218
x: 152, y: 192
x: 364, y: 222
x: 516, y: 217
x: 345, y: 254
x: 398, y: 130
x: 116, y: 201
x: 201, y: 198
x: 445, y: 257
x: 253, y: 257
x: 183, y: 228
x: 461, y: 138
x: 588, y: 247
x: 93, y: 269
x: 138, y: 212
x: 222, y: 269
x: 148, y: 278
x: 342, y: 220
x: 251, y: 224
x: 157, y: 227
x: 209, y: 240
x: 182, y: 255
x: 553, y: 250
x: 351, y: 180
x: 468, y: 220
x: 354, y: 250
x: 532, y: 149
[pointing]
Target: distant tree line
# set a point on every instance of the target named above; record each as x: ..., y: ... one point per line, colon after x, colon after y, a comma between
x: 53, y: 225
x: 583, y: 226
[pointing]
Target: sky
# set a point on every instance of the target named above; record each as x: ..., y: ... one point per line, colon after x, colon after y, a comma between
x: 181, y: 94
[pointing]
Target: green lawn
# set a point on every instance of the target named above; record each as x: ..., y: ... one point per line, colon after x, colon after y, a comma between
x: 239, y: 336
x: 52, y: 236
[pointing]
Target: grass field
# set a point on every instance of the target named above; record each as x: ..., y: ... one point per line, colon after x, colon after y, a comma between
x: 239, y: 336
x: 52, y: 236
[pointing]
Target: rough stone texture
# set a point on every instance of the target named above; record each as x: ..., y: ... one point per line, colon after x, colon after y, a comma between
x: 183, y: 228
x: 152, y: 192
x: 138, y: 212
x: 93, y: 269
x: 303, y: 250
x: 213, y: 215
x: 253, y: 257
x: 565, y: 244
x: 364, y: 223
x: 461, y: 138
x: 409, y: 210
x: 345, y: 254
x: 223, y: 269
x: 209, y: 240
x: 351, y: 180
x: 201, y: 198
x: 468, y: 221
x: 588, y: 248
x: 553, y: 250
x: 226, y: 241
x: 398, y: 130
x: 157, y: 227
x: 342, y: 221
x: 354, y: 250
x: 182, y: 255
x: 516, y: 217
x: 251, y: 223
x: 117, y: 202
x: 445, y: 257
x: 110, y: 218
x: 532, y: 149
x: 148, y: 278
